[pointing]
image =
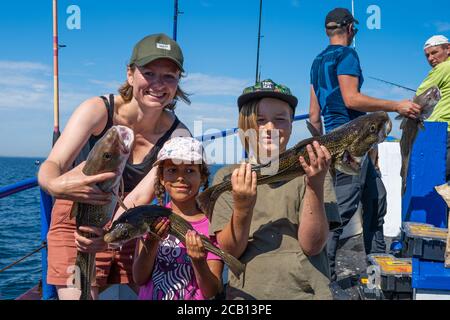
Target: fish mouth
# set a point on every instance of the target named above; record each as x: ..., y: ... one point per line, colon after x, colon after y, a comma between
x: 387, y: 127
x: 351, y: 162
x: 126, y: 138
x: 108, y: 238
x: 437, y: 95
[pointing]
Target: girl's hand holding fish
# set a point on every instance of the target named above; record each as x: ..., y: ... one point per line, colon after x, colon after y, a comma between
x: 90, y: 245
x: 243, y: 182
x: 316, y: 170
x: 194, y: 246
x: 161, y: 228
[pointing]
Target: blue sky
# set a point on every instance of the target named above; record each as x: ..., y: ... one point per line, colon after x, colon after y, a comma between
x: 218, y: 39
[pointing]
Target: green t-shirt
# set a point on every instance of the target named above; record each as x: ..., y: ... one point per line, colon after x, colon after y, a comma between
x: 276, y: 267
x: 440, y: 77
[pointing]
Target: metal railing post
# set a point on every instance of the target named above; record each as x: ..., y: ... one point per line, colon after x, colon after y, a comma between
x: 48, y: 291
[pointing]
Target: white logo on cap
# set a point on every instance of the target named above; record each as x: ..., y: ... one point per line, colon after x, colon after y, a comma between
x: 267, y: 85
x: 163, y: 46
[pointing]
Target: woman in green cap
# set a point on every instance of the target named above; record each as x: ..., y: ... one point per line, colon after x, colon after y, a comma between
x: 280, y: 231
x: 145, y: 104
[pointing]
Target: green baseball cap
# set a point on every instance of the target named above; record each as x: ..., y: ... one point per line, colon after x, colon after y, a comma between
x: 267, y: 89
x: 156, y: 46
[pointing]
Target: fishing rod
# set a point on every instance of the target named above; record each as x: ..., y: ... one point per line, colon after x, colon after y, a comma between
x: 394, y: 84
x: 175, y: 20
x: 259, y: 42
x: 353, y: 14
x: 56, y: 132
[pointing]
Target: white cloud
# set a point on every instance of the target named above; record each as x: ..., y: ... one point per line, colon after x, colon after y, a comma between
x: 29, y: 85
x: 442, y: 26
x: 206, y: 85
x: 23, y: 66
x: 109, y: 85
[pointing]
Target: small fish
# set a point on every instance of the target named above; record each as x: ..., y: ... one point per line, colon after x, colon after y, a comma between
x: 427, y: 100
x: 109, y: 154
x: 444, y: 191
x: 136, y: 221
x: 347, y: 145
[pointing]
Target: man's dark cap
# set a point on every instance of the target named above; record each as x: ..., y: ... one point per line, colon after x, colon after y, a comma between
x: 339, y: 17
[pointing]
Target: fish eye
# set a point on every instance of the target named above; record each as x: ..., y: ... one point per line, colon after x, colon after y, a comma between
x: 373, y: 128
x: 107, y: 156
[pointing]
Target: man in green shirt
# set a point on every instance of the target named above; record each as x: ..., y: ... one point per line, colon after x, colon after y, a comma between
x: 437, y: 52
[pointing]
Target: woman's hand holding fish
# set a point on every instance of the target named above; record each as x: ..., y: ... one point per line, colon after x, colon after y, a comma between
x: 243, y: 182
x: 76, y: 186
x: 194, y: 246
x: 90, y: 245
x: 319, y: 163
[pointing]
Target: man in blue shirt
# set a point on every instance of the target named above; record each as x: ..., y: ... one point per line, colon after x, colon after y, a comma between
x: 336, y: 80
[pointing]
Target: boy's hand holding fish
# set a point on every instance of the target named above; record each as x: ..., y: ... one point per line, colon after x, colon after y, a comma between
x: 319, y: 163
x: 243, y: 182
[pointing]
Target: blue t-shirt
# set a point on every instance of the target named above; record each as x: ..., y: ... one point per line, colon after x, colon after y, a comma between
x: 335, y: 60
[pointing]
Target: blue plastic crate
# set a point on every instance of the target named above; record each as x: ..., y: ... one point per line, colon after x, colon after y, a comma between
x: 430, y: 275
x: 421, y: 202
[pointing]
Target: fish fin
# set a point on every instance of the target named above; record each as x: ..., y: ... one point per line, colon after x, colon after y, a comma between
x: 227, y: 177
x: 86, y: 268
x: 314, y: 132
x: 154, y: 234
x: 235, y: 266
x: 444, y: 191
x: 254, y: 167
x: 74, y: 210
x: 421, y: 125
x: 349, y: 164
x: 345, y: 169
x: 277, y: 183
x: 207, y: 199
x: 120, y: 201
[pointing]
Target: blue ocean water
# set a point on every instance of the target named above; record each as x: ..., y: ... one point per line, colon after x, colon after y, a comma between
x: 20, y: 228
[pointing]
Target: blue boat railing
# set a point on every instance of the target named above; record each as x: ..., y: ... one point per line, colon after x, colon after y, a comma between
x: 46, y: 204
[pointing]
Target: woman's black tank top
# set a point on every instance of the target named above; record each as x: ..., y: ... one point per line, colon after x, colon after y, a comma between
x: 133, y: 173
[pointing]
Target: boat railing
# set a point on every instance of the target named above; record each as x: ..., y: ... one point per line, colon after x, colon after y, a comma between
x: 46, y: 204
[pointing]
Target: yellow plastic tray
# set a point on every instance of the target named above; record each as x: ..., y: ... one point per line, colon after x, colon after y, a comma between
x: 426, y: 231
x: 392, y: 265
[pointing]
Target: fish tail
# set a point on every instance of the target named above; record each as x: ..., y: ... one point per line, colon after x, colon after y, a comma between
x: 86, y: 264
x: 207, y: 199
x: 234, y: 264
x: 179, y: 227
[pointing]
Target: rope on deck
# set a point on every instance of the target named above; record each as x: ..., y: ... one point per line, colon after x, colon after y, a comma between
x: 44, y: 245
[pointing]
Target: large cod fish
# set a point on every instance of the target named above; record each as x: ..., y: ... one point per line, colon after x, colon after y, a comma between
x: 347, y: 145
x: 427, y: 100
x: 109, y: 154
x: 136, y: 221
